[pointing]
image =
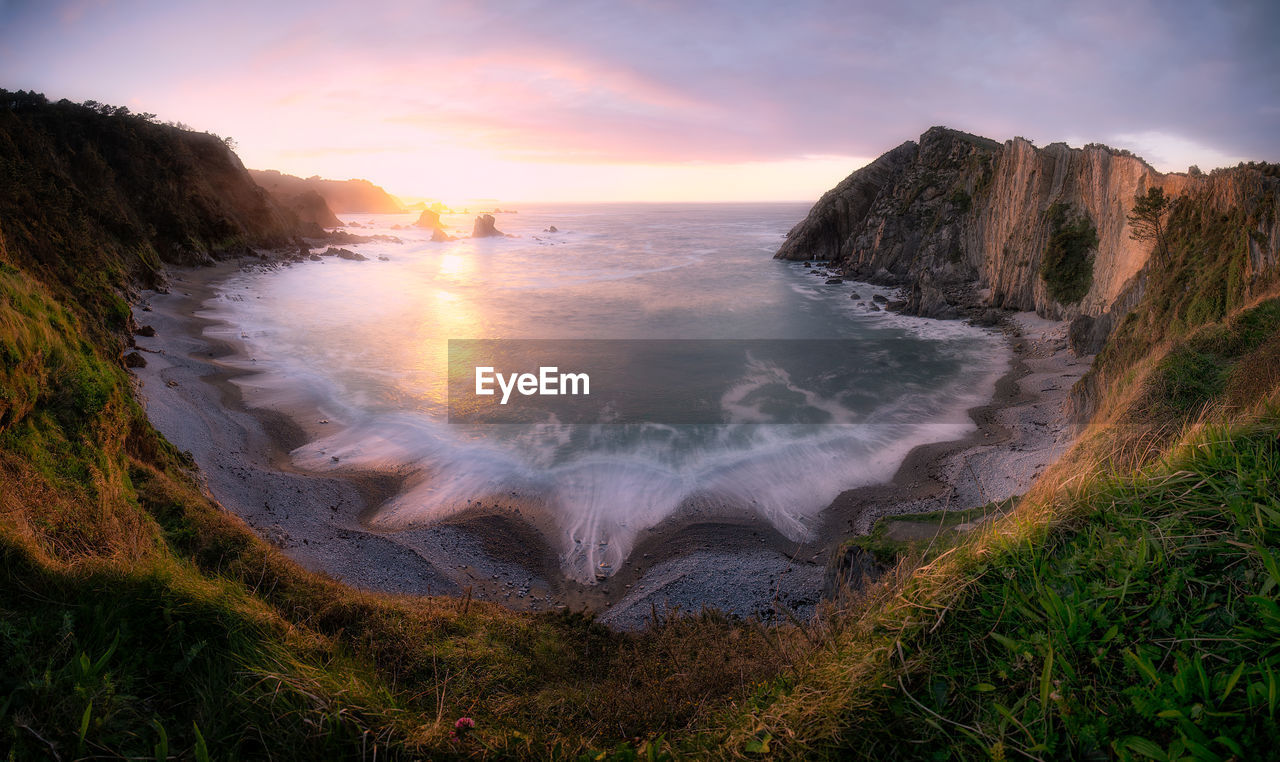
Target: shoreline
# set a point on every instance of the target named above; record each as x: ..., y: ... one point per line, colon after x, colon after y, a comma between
x: 685, y: 563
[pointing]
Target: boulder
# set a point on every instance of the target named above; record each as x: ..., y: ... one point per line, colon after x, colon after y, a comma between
x: 485, y: 227
x: 927, y: 299
x: 1087, y: 335
x: 834, y: 281
x: 552, y: 229
x: 146, y: 330
x: 987, y: 318
x: 333, y: 251
x: 135, y: 360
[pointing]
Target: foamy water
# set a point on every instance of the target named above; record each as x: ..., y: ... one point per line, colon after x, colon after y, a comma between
x: 364, y: 345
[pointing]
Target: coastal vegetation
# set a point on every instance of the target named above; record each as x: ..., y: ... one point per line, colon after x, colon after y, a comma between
x: 1128, y: 607
x: 1146, y: 219
x: 1066, y: 266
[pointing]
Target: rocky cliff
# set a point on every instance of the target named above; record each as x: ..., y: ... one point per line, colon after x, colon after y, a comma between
x: 969, y: 224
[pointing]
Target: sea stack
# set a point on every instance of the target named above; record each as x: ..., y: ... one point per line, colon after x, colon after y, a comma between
x: 484, y: 227
x: 430, y: 219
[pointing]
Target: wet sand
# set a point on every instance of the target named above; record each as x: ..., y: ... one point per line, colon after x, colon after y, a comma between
x: 743, y: 567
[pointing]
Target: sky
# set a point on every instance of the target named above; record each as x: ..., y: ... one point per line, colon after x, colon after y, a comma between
x: 657, y: 100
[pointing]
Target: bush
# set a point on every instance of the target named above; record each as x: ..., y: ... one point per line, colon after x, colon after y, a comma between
x: 961, y: 200
x: 1067, y: 267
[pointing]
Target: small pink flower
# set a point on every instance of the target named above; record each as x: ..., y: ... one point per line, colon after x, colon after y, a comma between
x: 462, y: 727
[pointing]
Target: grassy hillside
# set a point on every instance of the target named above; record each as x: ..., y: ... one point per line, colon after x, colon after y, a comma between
x: 138, y: 619
x: 1128, y: 608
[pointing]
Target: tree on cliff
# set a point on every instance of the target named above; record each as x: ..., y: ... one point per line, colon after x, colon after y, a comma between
x: 1146, y: 220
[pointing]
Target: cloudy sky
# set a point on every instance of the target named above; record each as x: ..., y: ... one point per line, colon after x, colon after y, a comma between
x: 657, y: 100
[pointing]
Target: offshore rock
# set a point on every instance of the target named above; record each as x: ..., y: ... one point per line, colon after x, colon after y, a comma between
x: 485, y: 227
x: 429, y: 219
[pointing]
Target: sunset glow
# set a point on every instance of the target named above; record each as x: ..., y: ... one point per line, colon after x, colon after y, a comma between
x: 643, y: 101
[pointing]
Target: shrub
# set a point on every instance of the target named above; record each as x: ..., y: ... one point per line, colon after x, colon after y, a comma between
x: 961, y: 200
x: 1067, y: 267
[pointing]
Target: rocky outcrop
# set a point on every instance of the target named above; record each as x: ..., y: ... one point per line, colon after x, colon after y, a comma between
x: 430, y: 219
x: 964, y: 223
x: 311, y: 210
x: 334, y: 251
x: 485, y: 227
x: 342, y: 196
x: 841, y: 211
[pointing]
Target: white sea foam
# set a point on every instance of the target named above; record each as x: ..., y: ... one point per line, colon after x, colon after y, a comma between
x: 363, y: 343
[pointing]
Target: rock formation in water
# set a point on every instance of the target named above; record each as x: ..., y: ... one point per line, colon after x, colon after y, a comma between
x: 334, y: 251
x: 430, y: 220
x: 485, y: 227
x: 966, y: 224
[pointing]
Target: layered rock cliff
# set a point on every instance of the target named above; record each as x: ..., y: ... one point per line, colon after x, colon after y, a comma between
x: 966, y: 223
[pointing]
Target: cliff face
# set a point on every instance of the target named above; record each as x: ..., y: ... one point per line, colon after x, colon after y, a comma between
x: 954, y: 214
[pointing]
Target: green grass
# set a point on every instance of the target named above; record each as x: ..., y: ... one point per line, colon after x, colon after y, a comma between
x: 1144, y: 623
x: 1205, y: 365
x: 1204, y: 276
x: 887, y: 551
x: 1148, y: 627
x: 1113, y: 614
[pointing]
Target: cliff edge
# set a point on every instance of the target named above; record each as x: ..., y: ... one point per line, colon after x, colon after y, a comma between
x: 969, y: 224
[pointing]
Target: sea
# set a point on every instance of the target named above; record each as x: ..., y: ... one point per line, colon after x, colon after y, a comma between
x: 361, y: 352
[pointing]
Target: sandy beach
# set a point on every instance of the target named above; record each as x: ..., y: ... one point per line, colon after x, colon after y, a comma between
x: 746, y: 568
